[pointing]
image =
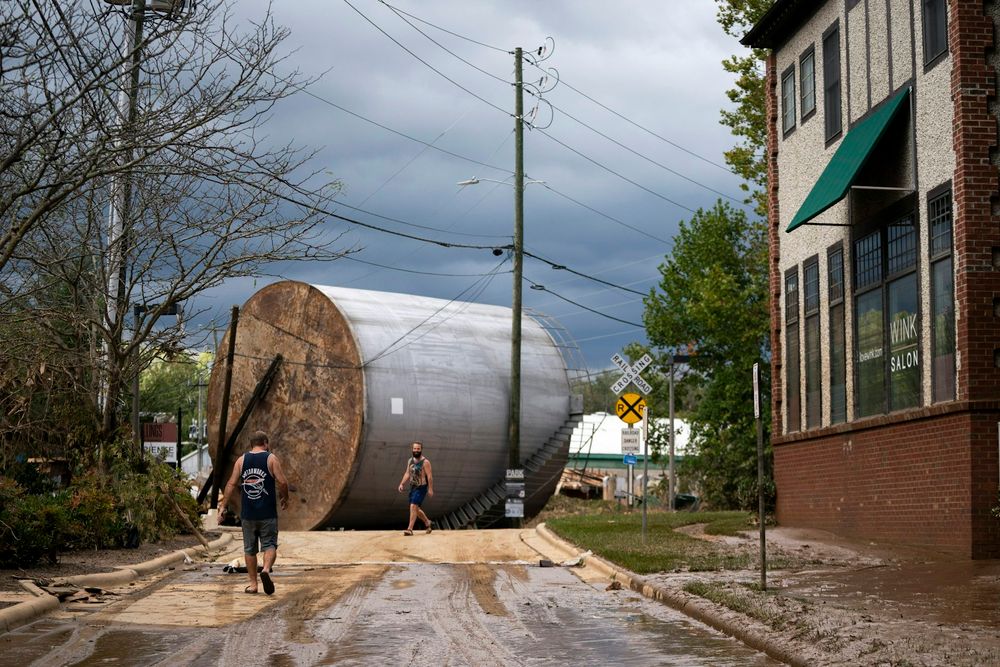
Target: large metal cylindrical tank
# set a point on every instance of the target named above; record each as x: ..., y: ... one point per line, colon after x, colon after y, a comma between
x: 364, y: 374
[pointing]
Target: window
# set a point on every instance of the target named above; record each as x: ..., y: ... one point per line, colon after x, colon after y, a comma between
x: 838, y: 338
x: 831, y: 82
x: 942, y: 296
x: 814, y: 381
x: 793, y: 405
x: 807, y: 83
x: 935, y: 22
x: 887, y: 319
x: 788, y: 100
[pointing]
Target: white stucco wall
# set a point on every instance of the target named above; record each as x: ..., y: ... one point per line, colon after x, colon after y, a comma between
x: 802, y: 157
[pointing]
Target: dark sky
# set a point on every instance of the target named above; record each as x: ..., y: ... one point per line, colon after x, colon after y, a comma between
x: 656, y: 63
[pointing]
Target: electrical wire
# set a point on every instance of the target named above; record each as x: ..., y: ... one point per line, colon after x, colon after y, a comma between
x: 612, y: 171
x: 437, y: 27
x: 638, y: 154
x: 563, y: 267
x: 322, y: 99
x: 445, y: 48
x: 425, y: 63
x: 413, y: 224
x: 484, y: 281
x: 605, y: 215
x: 634, y: 123
x: 542, y: 288
x: 414, y: 271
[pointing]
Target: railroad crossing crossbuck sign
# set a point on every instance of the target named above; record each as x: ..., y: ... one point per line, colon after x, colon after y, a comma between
x: 630, y: 374
x: 629, y: 408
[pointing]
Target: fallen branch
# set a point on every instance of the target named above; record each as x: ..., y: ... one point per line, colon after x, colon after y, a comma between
x: 184, y: 517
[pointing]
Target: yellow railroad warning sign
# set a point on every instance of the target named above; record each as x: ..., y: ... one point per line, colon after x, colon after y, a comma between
x: 630, y: 407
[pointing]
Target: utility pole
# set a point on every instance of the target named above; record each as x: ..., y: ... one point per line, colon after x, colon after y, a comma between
x: 514, y: 425
x: 119, y: 209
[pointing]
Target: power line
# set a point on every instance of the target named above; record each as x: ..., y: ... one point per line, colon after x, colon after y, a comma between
x: 437, y: 27
x: 605, y: 215
x: 402, y: 134
x: 542, y: 288
x: 565, y: 113
x: 638, y: 154
x: 425, y: 63
x: 445, y: 48
x: 413, y: 224
x: 632, y: 122
x: 563, y: 267
x: 422, y: 273
x: 612, y: 171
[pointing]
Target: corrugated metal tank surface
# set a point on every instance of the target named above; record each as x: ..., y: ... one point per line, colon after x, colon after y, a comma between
x: 366, y: 373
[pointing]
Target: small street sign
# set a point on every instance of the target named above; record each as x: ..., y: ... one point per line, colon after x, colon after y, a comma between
x: 756, y: 391
x: 165, y: 451
x: 630, y: 407
x: 630, y: 374
x: 514, y: 506
x: 629, y: 459
x: 630, y: 441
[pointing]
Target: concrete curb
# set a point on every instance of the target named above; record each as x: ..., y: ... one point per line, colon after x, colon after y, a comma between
x: 698, y: 608
x: 25, y: 612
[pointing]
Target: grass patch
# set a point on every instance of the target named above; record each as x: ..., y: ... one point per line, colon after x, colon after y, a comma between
x: 617, y: 537
x: 746, y: 601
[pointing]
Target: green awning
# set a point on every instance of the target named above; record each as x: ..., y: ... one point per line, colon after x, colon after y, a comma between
x: 846, y: 163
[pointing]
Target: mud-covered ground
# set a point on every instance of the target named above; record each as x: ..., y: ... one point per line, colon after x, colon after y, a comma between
x: 849, y: 603
x: 96, y: 560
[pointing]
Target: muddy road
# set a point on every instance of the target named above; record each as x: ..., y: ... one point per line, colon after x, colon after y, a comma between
x: 473, y: 598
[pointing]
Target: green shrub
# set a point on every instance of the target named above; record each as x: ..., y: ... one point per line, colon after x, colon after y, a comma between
x: 99, y: 510
x: 32, y: 526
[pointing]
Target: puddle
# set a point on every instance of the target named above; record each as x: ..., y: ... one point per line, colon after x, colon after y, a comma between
x: 953, y: 593
x: 121, y: 647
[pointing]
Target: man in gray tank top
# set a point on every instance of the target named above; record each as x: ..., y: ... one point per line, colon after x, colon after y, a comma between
x: 262, y: 483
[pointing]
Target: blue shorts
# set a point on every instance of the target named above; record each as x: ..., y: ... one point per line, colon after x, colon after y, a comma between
x: 417, y: 495
x: 259, y: 535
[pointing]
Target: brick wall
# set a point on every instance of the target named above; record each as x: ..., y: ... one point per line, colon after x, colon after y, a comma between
x: 906, y: 483
x: 977, y: 231
x: 773, y: 231
x: 911, y: 478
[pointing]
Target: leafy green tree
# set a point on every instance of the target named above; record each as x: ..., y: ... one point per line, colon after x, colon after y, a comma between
x: 596, y: 391
x: 713, y: 290
x: 172, y: 383
x: 746, y: 118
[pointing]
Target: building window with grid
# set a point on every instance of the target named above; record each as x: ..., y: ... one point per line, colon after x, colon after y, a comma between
x: 788, y: 100
x: 942, y: 295
x: 813, y: 364
x: 831, y: 82
x: 838, y: 339
x: 935, y: 29
x: 886, y: 307
x: 807, y: 84
x: 793, y: 404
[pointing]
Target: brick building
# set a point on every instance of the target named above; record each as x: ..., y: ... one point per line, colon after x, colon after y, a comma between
x: 884, y: 222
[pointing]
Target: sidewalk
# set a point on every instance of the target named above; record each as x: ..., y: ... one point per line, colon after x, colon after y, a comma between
x: 855, y: 603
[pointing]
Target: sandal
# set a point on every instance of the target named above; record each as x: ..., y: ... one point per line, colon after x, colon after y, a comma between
x: 265, y: 577
x: 251, y: 591
x: 429, y: 529
x: 407, y: 532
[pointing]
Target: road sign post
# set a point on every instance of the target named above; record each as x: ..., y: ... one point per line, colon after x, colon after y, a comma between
x: 631, y: 408
x: 760, y: 476
x: 645, y: 468
x: 514, y: 505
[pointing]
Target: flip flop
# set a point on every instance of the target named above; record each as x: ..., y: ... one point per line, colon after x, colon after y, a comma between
x: 249, y: 591
x: 407, y: 532
x: 265, y: 577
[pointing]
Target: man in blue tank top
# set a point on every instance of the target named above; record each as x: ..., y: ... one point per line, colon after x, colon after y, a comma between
x: 262, y: 482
